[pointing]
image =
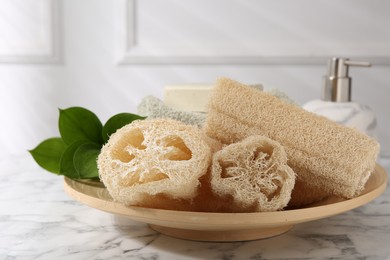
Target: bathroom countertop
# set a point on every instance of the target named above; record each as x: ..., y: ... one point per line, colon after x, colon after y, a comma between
x: 38, y: 220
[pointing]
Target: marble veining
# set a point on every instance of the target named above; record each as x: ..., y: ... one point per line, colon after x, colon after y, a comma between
x: 38, y: 220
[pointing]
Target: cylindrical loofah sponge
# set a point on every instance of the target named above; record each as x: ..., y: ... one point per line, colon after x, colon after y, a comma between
x: 322, y: 153
x: 255, y: 173
x: 154, y: 162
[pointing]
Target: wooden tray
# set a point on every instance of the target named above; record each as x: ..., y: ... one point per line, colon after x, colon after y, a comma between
x: 224, y: 226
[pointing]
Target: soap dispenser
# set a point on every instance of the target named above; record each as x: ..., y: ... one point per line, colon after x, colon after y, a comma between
x: 336, y: 104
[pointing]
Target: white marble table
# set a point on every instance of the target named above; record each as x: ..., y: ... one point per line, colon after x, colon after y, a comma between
x: 38, y: 220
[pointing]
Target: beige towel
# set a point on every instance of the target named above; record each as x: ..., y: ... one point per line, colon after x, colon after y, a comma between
x: 322, y: 153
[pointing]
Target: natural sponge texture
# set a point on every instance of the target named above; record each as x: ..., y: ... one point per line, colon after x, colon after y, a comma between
x: 255, y: 173
x: 305, y: 194
x: 153, y: 107
x: 151, y: 160
x: 322, y: 153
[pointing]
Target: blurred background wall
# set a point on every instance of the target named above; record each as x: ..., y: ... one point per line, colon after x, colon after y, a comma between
x: 107, y: 55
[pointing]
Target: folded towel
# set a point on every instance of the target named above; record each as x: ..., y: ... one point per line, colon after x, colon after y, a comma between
x: 153, y: 107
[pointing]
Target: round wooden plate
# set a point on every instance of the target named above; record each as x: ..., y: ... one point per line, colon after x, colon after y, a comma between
x: 203, y: 226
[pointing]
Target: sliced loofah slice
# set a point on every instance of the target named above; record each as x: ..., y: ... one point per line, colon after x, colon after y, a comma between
x: 155, y: 162
x: 322, y: 153
x: 255, y: 173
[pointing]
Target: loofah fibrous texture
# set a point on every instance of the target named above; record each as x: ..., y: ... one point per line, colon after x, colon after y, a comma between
x: 157, y: 159
x: 255, y: 173
x: 323, y: 154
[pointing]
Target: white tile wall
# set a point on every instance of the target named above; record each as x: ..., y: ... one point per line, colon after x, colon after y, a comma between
x: 116, y: 52
x: 29, y: 31
x: 253, y: 31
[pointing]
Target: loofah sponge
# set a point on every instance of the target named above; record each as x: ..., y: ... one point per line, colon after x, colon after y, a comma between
x: 322, y: 153
x: 255, y: 173
x: 153, y: 107
x: 304, y: 194
x: 155, y: 162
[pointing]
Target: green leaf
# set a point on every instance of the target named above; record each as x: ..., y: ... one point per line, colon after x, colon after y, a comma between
x: 77, y: 123
x: 66, y: 164
x: 48, y: 154
x: 116, y: 122
x: 85, y: 160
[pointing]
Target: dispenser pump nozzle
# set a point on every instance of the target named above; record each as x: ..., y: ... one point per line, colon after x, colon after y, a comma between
x: 337, y: 84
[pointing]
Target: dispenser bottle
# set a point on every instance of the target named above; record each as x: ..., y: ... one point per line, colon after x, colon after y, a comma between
x: 336, y: 103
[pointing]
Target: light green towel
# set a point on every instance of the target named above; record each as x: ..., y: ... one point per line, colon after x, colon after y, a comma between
x: 153, y: 107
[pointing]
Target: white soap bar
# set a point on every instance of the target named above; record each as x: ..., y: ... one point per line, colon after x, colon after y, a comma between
x: 191, y: 97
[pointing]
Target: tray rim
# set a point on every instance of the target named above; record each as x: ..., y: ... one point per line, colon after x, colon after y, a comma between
x: 228, y: 221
